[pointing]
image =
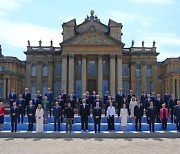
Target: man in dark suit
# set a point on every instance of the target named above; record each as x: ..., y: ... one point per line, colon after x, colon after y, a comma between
x: 39, y: 96
x: 14, y: 115
x: 138, y: 114
x: 119, y: 100
x: 12, y: 97
x: 143, y: 98
x: 108, y: 103
x: 153, y: 97
x: 172, y: 104
x: 167, y: 96
x: 63, y: 95
x: 72, y: 101
x: 158, y: 105
x: 74, y: 95
x: 97, y: 111
x: 84, y: 113
x: 36, y: 101
x: 130, y: 95
x: 97, y: 100
x: 106, y: 97
x: 21, y: 105
x: 27, y: 97
x: 50, y: 98
x: 31, y: 115
x: 151, y: 115
x: 88, y: 99
x: 57, y: 113
x: 61, y: 102
x: 177, y: 115
x: 93, y: 98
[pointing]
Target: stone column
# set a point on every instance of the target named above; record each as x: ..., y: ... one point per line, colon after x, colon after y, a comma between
x: 4, y: 88
x: 83, y: 74
x: 100, y: 75
x: 64, y: 72
x: 9, y: 86
x: 143, y: 74
x: 28, y: 75
x: 155, y: 80
x: 178, y: 88
x: 50, y: 74
x: 119, y: 71
x: 71, y: 73
x: 173, y: 86
x: 39, y: 76
x: 132, y: 76
x: 112, y: 75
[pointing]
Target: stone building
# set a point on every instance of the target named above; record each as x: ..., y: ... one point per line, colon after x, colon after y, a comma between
x: 92, y: 57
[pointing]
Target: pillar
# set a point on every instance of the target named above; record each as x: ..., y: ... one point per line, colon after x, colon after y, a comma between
x: 64, y: 72
x: 100, y: 75
x: 112, y: 75
x: 143, y: 74
x: 4, y: 88
x: 71, y: 73
x: 83, y: 74
x: 50, y: 74
x: 39, y: 76
x: 119, y: 71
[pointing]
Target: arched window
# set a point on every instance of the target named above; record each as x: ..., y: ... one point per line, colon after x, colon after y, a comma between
x: 105, y: 68
x: 138, y: 70
x: 33, y: 70
x: 149, y: 70
x: 45, y: 70
x: 78, y: 67
x: 57, y: 70
x: 91, y: 68
x: 125, y: 70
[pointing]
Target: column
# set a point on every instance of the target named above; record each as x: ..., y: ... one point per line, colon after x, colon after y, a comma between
x: 83, y: 74
x: 28, y: 75
x: 112, y: 75
x: 100, y: 75
x: 143, y: 73
x: 178, y: 88
x: 64, y: 72
x: 50, y: 74
x: 132, y: 76
x: 9, y: 85
x: 119, y: 71
x: 4, y: 88
x: 155, y: 84
x: 71, y: 72
x: 173, y: 86
x: 39, y: 76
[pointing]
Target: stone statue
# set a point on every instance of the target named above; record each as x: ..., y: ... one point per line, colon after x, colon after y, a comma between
x: 132, y: 44
x: 154, y: 44
x: 92, y: 12
x: 28, y: 43
x: 142, y: 43
x: 40, y: 42
x: 51, y: 42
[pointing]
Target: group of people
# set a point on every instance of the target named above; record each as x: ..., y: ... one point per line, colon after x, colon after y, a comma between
x: 39, y: 108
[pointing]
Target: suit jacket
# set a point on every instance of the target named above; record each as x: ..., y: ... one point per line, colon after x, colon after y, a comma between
x: 36, y: 102
x: 69, y: 112
x: 143, y: 98
x: 27, y: 97
x: 129, y: 96
x: 31, y: 110
x: 166, y: 98
x: 49, y: 96
x: 12, y: 98
x: 57, y: 112
x: 84, y: 112
x: 61, y: 103
x: 138, y: 111
x: 63, y: 96
x: 172, y: 103
x: 177, y: 110
x: 153, y: 98
x: 161, y: 113
x: 147, y: 103
x: 40, y: 98
x: 151, y: 113
x: 158, y: 104
x: 105, y: 99
x: 16, y: 111
x: 119, y: 99
x: 97, y: 111
x: 92, y: 97
x: 72, y: 101
x: 21, y: 101
x: 97, y: 100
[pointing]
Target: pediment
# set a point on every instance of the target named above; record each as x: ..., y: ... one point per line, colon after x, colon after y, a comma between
x: 92, y: 37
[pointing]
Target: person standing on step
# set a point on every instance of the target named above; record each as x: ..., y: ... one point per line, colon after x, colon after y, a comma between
x: 177, y: 115
x: 36, y: 101
x: 97, y: 111
x: 132, y: 104
x: 50, y: 99
x: 21, y: 105
x: 164, y: 115
x: 57, y: 113
x: 14, y: 115
x: 172, y: 104
x: 31, y: 115
x: 110, y: 116
x: 124, y: 117
x: 2, y: 113
x: 27, y: 96
x: 39, y: 96
x: 151, y: 115
x: 119, y: 100
x: 46, y: 108
x: 143, y: 98
x: 158, y: 105
x: 12, y: 97
x: 39, y: 118
x: 107, y: 103
x: 72, y: 101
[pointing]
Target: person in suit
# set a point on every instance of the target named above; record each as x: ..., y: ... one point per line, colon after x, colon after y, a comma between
x: 69, y: 115
x: 88, y: 99
x: 72, y: 101
x: 21, y: 105
x: 39, y: 96
x: 172, y: 104
x: 143, y: 98
x: 57, y: 113
x: 39, y: 118
x: 110, y: 116
x: 31, y: 115
x: 153, y: 97
x: 93, y: 98
x: 84, y: 113
x: 46, y: 108
x: 105, y: 98
x: 177, y: 115
x: 36, y: 101
x: 107, y: 103
x: 61, y: 102
x: 158, y: 105
x: 97, y: 100
x: 147, y: 102
x: 164, y: 115
x: 12, y: 97
x: 119, y: 100
x: 138, y: 114
x: 151, y: 114
x: 97, y: 111
x: 74, y: 95
x: 14, y: 115
x: 27, y: 97
x: 130, y: 95
x: 167, y: 96
x: 2, y: 113
x: 63, y: 95
x: 50, y: 99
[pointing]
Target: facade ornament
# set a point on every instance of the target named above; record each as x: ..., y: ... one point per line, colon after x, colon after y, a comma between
x: 51, y: 43
x: 154, y: 44
x: 28, y: 43
x: 40, y: 42
x: 132, y: 44
x: 142, y: 43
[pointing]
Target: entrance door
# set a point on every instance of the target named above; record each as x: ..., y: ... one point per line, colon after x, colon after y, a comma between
x: 91, y: 85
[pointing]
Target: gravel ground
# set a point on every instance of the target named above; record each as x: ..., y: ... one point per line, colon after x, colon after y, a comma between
x: 88, y: 146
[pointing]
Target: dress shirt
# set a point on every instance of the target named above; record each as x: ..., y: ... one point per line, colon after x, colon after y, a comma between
x: 110, y: 111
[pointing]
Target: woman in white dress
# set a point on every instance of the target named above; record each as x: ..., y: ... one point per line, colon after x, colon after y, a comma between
x: 124, y: 117
x: 39, y: 118
x: 132, y: 104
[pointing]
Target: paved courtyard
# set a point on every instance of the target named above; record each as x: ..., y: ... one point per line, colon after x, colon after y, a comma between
x: 88, y: 146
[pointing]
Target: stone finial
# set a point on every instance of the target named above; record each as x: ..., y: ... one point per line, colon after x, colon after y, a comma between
x: 142, y: 43
x: 92, y: 12
x: 154, y: 44
x: 40, y: 42
x: 51, y: 43
x: 28, y: 43
x: 132, y: 43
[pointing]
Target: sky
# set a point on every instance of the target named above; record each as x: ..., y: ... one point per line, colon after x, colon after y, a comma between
x: 148, y: 20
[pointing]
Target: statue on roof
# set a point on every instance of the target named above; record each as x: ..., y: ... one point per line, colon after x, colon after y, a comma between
x: 132, y: 43
x: 40, y: 42
x: 51, y: 43
x: 154, y: 44
x: 28, y: 43
x: 92, y: 12
x: 142, y: 43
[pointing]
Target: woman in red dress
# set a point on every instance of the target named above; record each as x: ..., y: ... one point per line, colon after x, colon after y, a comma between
x: 2, y: 113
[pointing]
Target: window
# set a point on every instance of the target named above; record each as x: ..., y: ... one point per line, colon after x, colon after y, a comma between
x: 125, y: 87
x: 125, y: 70
x: 2, y: 68
x: 91, y: 68
x: 33, y: 71
x: 138, y: 70
x: 78, y: 88
x: 44, y: 87
x: 57, y: 88
x: 138, y: 89
x: 149, y: 87
x: 45, y: 70
x: 57, y: 70
x: 78, y: 67
x: 105, y: 68
x: 33, y: 89
x: 149, y: 70
x: 105, y: 87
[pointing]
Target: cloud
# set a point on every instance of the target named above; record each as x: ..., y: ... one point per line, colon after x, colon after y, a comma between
x: 163, y: 2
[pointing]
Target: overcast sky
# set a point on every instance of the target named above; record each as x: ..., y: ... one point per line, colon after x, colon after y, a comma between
x: 148, y: 20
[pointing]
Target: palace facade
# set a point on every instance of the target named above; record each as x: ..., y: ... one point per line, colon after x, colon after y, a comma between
x: 91, y: 57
